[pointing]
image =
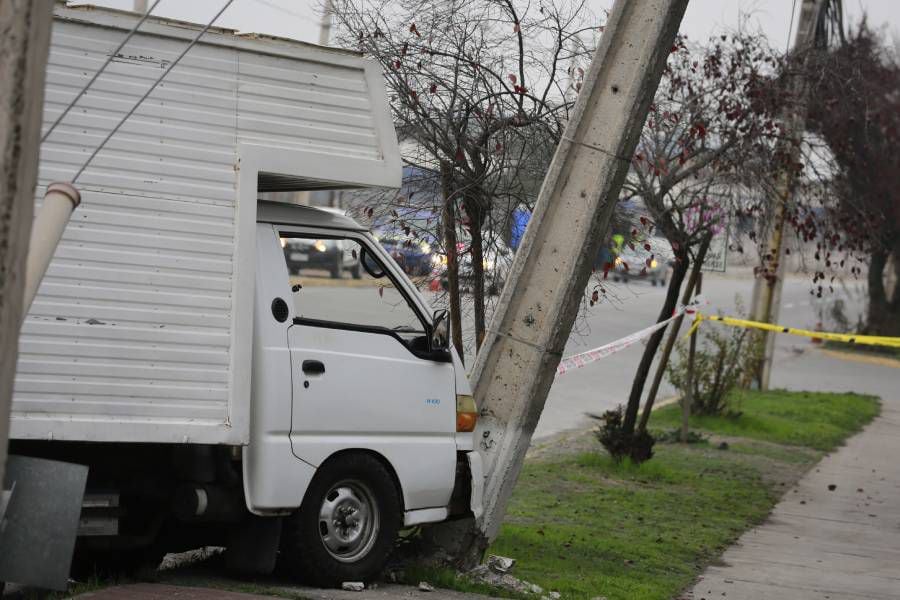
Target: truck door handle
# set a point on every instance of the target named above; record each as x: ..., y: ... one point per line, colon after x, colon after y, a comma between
x: 313, y: 367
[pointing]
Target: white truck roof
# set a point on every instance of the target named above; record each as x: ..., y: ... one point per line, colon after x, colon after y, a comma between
x: 288, y: 214
x: 142, y: 327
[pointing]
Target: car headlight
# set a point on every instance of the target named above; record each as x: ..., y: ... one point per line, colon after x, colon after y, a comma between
x: 618, y: 261
x: 653, y: 264
x: 425, y: 247
x: 320, y: 246
x: 283, y: 242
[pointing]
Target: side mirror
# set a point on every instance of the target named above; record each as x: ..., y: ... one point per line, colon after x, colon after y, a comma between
x: 440, y: 330
x: 370, y: 264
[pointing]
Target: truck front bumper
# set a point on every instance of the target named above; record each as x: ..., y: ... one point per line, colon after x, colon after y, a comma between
x: 476, y: 473
x: 467, y: 497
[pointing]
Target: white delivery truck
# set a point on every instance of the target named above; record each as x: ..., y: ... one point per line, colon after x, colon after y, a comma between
x: 216, y: 398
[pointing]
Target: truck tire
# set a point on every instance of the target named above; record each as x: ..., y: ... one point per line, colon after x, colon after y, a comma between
x: 337, y: 269
x: 347, y: 525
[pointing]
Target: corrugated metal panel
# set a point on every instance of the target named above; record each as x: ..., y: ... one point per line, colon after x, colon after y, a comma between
x: 133, y: 320
x: 136, y: 320
x: 299, y: 106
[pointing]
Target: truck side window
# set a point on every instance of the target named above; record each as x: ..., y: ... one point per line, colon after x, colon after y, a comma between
x: 336, y: 288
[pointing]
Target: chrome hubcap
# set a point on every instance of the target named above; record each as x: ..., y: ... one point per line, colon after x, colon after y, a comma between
x: 348, y: 521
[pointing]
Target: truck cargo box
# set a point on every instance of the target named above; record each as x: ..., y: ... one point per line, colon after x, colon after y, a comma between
x: 141, y: 330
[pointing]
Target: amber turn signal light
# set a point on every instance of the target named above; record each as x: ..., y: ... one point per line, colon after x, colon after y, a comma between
x: 466, y: 413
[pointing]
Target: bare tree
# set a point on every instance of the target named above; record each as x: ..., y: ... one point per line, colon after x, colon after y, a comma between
x: 480, y: 90
x: 854, y: 219
x: 707, y: 131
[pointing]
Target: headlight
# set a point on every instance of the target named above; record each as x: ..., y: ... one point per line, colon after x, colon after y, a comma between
x: 425, y: 247
x: 320, y: 246
x: 487, y: 264
x: 283, y: 242
x: 653, y: 264
x: 618, y: 261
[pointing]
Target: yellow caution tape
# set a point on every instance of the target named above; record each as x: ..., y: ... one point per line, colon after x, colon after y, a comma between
x: 871, y: 340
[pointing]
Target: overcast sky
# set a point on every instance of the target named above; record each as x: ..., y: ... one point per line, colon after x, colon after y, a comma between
x: 299, y: 19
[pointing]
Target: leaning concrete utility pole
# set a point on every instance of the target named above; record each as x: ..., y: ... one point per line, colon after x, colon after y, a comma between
x: 767, y: 291
x: 325, y: 23
x: 24, y: 41
x: 546, y: 285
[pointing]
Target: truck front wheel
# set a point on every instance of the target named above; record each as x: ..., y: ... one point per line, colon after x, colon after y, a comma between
x: 348, y: 522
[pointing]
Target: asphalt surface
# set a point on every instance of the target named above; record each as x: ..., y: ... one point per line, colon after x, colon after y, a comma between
x: 606, y: 383
x: 626, y: 308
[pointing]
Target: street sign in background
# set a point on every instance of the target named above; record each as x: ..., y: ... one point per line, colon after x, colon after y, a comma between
x: 718, y: 251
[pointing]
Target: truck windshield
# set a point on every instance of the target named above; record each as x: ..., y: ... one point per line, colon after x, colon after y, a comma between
x: 335, y: 287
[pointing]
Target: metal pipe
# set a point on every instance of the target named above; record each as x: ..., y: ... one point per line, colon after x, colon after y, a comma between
x: 60, y: 201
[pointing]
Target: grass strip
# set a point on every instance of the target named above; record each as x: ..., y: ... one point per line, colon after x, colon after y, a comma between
x: 816, y: 420
x: 585, y: 526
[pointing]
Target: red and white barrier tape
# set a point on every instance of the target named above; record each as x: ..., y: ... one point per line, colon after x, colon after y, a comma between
x: 576, y: 361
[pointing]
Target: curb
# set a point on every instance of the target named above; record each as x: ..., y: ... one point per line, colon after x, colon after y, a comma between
x: 884, y: 361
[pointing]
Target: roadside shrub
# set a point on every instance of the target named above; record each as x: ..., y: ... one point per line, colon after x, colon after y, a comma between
x: 724, y: 359
x: 620, y: 445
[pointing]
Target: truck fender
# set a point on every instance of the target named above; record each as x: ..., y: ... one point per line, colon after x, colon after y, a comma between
x: 376, y: 455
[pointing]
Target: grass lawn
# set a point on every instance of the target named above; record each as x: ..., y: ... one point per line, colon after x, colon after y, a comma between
x: 819, y: 421
x: 580, y: 524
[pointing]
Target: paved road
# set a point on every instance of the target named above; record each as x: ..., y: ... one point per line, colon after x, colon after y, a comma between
x: 157, y: 591
x: 604, y: 384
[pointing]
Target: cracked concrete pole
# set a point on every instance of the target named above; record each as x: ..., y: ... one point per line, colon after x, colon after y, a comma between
x: 766, y: 298
x: 24, y: 39
x: 523, y: 347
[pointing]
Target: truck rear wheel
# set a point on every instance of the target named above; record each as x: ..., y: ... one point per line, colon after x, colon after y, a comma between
x: 348, y: 522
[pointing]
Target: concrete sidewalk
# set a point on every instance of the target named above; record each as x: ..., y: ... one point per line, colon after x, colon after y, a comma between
x: 158, y: 591
x: 822, y: 542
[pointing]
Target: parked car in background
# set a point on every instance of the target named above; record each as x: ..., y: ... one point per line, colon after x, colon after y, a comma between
x: 651, y: 265
x: 497, y: 260
x: 414, y: 256
x: 332, y: 255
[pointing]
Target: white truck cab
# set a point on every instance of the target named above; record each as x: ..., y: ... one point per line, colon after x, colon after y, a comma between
x: 179, y: 386
x: 359, y: 406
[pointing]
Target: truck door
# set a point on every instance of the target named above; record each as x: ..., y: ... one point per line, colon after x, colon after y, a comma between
x: 362, y: 377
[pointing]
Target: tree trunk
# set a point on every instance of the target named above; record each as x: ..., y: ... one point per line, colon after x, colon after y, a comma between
x: 476, y: 221
x: 449, y: 225
x: 895, y: 298
x: 673, y: 334
x: 883, y: 312
x: 640, y: 377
